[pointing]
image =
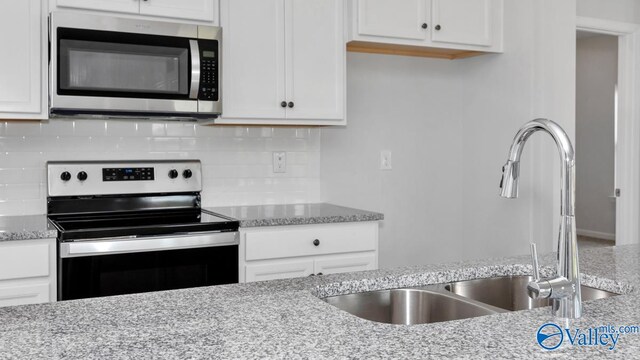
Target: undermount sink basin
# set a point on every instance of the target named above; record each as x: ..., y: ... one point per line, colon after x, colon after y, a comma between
x: 410, y: 306
x: 510, y: 292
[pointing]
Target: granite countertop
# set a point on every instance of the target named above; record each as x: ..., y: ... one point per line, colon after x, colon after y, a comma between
x: 287, y: 319
x: 295, y: 214
x: 26, y: 227
x: 31, y: 227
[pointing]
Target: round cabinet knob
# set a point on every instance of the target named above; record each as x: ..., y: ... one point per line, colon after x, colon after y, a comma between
x: 173, y: 173
x: 316, y: 242
x: 82, y: 176
x: 424, y: 25
x: 438, y: 27
x: 291, y: 104
x: 187, y: 173
x: 65, y: 176
x: 283, y: 104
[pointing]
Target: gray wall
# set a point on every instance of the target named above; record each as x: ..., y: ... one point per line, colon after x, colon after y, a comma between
x: 596, y: 78
x: 615, y: 10
x: 449, y: 125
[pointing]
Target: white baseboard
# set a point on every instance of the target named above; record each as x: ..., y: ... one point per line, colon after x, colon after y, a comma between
x: 596, y: 234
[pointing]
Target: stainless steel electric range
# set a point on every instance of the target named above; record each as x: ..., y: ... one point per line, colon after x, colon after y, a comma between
x: 136, y: 226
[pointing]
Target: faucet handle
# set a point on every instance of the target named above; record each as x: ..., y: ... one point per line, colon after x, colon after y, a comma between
x: 538, y: 288
x: 534, y: 262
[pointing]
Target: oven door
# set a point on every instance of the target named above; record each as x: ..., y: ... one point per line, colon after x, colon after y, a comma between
x: 125, y: 266
x: 105, y: 65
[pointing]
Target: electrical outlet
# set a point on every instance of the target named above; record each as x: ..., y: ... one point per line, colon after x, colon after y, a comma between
x: 385, y: 160
x: 279, y: 162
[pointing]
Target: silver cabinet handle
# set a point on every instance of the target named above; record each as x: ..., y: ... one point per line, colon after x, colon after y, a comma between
x: 195, y: 69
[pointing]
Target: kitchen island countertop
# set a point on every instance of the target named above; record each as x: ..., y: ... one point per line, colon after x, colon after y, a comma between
x: 287, y: 319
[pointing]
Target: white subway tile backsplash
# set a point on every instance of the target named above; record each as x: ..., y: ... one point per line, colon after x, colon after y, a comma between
x: 237, y: 161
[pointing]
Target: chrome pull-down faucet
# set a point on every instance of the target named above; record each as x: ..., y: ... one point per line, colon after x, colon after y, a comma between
x: 564, y: 288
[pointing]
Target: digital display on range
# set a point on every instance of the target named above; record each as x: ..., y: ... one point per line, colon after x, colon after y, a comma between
x: 127, y: 174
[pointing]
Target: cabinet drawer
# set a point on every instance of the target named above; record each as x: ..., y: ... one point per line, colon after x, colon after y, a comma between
x: 24, y: 294
x: 299, y: 241
x: 334, y: 264
x: 20, y: 260
x: 284, y: 269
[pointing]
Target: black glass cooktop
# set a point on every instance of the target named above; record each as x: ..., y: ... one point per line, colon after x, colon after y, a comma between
x: 140, y: 223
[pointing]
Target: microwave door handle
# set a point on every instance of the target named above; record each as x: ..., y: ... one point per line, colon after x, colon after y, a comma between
x: 195, y: 69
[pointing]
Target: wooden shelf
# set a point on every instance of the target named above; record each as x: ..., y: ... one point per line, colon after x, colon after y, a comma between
x: 408, y: 50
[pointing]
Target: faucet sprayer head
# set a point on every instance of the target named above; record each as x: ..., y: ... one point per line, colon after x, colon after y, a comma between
x: 509, y: 181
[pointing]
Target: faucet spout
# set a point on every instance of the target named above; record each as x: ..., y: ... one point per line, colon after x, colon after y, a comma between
x: 564, y: 288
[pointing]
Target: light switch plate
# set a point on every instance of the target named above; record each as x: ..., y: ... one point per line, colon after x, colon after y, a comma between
x: 385, y: 160
x: 279, y: 162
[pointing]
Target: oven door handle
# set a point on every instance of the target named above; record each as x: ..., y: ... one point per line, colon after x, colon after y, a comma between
x: 195, y: 69
x: 133, y: 245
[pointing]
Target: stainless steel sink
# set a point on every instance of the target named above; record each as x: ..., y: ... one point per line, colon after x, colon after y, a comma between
x: 410, y: 306
x: 510, y: 292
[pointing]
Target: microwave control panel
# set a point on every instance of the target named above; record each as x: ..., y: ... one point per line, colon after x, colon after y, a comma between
x: 209, y: 59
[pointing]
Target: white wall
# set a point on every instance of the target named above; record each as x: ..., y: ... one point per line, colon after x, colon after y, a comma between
x: 596, y: 78
x: 449, y: 125
x: 237, y: 161
x: 616, y: 10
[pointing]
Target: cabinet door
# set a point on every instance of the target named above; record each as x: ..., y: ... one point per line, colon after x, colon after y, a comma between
x: 124, y: 6
x: 23, y: 294
x: 462, y: 21
x: 22, y: 64
x: 333, y: 264
x: 206, y: 10
x: 315, y: 59
x: 282, y: 269
x: 393, y: 18
x: 253, y: 58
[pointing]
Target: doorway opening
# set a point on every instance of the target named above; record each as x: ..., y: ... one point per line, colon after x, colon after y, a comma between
x: 596, y: 137
x: 626, y: 188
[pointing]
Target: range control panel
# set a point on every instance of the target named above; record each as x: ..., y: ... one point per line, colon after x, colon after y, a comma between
x: 74, y: 178
x: 127, y: 174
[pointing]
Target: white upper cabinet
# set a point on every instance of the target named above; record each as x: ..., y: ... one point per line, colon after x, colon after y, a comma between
x: 283, y: 62
x: 253, y: 58
x: 124, y: 6
x: 201, y: 10
x: 462, y: 21
x: 315, y: 59
x: 23, y: 71
x: 458, y: 28
x: 397, y: 18
x: 206, y: 10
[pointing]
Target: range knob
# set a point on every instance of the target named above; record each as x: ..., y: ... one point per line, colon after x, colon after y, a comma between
x: 173, y: 173
x: 187, y: 173
x: 82, y: 176
x: 65, y: 176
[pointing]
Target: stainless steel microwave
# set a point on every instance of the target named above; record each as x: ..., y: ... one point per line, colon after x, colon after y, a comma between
x: 117, y: 67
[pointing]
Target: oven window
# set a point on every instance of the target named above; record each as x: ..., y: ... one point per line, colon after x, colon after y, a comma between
x: 85, y: 277
x: 99, y: 66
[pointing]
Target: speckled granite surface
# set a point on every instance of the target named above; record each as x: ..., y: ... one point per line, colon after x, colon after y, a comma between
x: 295, y: 214
x: 286, y: 320
x: 25, y: 228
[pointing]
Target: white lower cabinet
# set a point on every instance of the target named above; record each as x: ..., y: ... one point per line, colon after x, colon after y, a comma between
x: 27, y: 272
x: 280, y: 252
